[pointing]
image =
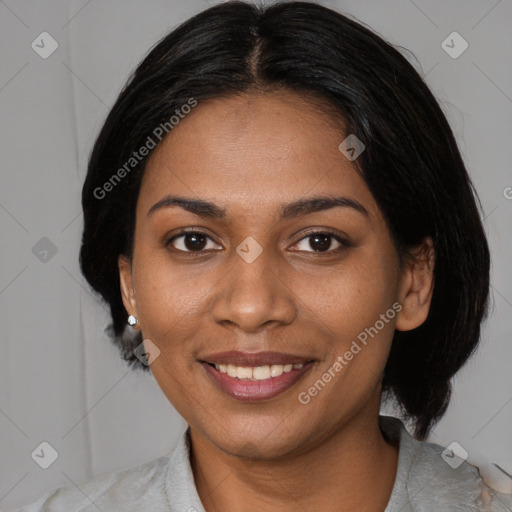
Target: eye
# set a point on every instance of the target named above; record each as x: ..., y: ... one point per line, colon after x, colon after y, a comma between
x: 191, y: 241
x: 321, y: 241
x: 194, y: 241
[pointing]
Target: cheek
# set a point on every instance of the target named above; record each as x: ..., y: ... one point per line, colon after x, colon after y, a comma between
x: 352, y: 296
x: 168, y: 303
x: 355, y: 309
x: 168, y: 297
x: 357, y: 339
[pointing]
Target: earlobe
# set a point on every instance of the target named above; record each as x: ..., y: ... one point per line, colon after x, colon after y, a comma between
x: 416, y: 286
x: 126, y: 284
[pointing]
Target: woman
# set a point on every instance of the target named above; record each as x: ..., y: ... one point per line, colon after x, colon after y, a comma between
x: 277, y: 206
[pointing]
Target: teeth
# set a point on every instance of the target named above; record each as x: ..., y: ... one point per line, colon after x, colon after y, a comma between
x: 231, y: 371
x: 258, y: 372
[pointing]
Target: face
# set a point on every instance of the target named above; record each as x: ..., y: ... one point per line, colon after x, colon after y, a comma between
x: 253, y: 276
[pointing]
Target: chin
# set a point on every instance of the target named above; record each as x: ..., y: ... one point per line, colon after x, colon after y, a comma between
x: 258, y: 437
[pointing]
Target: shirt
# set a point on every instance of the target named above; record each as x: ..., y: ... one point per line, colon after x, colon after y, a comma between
x: 425, y: 482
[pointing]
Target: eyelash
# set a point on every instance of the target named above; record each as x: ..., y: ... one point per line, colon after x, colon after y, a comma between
x: 344, y: 243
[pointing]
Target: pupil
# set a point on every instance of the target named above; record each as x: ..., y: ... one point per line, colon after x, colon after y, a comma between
x: 321, y: 241
x: 194, y: 241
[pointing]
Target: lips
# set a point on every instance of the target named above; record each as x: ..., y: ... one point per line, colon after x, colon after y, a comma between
x: 252, y: 359
x: 255, y: 376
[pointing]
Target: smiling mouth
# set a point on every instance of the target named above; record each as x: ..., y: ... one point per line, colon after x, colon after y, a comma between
x: 256, y: 383
x: 255, y: 373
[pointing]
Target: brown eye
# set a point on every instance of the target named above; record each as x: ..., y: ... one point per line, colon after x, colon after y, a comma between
x: 321, y: 241
x: 191, y: 241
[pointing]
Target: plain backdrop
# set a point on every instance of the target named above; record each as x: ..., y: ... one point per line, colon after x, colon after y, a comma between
x: 61, y: 380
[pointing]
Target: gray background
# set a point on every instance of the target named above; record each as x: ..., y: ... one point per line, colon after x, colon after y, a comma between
x: 61, y: 380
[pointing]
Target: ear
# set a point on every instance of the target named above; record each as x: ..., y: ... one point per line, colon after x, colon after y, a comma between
x: 416, y: 286
x: 126, y: 281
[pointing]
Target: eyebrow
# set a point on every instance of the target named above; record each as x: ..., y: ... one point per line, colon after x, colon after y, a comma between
x: 210, y: 210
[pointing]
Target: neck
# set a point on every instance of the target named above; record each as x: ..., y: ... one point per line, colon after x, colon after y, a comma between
x: 352, y: 469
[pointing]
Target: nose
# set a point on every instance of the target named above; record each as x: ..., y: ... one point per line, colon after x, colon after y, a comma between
x: 253, y: 296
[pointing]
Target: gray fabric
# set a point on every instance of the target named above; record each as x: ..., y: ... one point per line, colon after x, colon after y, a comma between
x: 424, y: 483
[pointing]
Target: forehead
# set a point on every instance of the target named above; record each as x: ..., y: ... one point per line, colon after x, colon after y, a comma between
x: 253, y: 151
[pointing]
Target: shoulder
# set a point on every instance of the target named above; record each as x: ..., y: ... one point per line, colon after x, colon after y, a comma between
x: 431, y: 477
x: 126, y: 490
x: 456, y: 487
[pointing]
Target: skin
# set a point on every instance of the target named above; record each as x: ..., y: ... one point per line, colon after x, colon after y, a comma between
x: 250, y: 155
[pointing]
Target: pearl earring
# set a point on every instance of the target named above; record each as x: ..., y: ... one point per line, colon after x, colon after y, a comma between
x: 132, y: 320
